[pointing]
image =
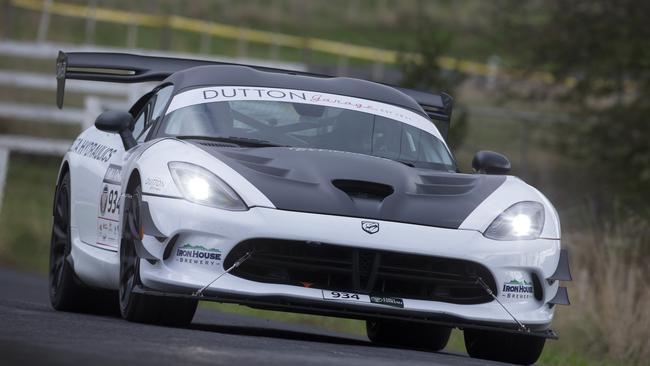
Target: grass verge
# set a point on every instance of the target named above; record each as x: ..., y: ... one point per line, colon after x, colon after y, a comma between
x: 26, y: 216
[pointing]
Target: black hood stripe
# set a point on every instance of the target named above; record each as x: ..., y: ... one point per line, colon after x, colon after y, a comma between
x: 307, y: 180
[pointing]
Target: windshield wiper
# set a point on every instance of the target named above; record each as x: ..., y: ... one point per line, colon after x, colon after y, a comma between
x: 405, y: 162
x: 238, y: 140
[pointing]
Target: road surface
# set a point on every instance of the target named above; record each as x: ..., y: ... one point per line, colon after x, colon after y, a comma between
x: 31, y: 333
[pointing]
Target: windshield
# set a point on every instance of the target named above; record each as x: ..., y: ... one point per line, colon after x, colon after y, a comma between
x: 306, y: 125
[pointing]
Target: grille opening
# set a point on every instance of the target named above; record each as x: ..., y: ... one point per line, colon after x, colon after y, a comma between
x: 363, y: 189
x: 367, y: 271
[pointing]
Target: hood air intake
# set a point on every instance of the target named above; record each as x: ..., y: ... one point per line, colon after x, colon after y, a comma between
x: 363, y: 189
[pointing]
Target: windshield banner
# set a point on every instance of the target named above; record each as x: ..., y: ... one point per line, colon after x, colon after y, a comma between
x: 236, y: 93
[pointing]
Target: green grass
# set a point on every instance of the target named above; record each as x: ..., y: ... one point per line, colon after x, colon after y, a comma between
x: 356, y: 327
x: 564, y: 352
x: 27, y: 65
x: 26, y: 216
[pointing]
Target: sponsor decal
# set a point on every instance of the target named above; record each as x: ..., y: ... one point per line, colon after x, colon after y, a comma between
x: 108, y: 232
x: 259, y: 93
x: 198, y: 254
x: 515, y: 289
x: 103, y: 200
x: 390, y: 301
x: 108, y: 227
x: 109, y: 203
x: 370, y: 227
x: 113, y: 174
x: 344, y: 296
x: 154, y: 184
x: 93, y: 150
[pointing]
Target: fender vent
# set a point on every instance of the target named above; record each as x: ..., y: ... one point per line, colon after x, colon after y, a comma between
x: 170, y: 247
x: 362, y: 189
x: 440, y: 185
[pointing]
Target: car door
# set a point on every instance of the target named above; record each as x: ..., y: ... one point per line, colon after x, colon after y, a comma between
x: 99, y: 181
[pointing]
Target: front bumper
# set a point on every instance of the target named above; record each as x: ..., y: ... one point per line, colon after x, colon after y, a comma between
x: 199, y: 238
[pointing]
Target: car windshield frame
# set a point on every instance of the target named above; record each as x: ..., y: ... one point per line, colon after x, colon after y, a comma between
x: 206, y: 103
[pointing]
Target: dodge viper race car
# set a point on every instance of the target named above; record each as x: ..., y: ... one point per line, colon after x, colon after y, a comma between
x: 292, y: 191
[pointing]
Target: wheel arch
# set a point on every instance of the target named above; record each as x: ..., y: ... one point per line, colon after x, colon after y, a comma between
x: 65, y: 168
x: 134, y: 178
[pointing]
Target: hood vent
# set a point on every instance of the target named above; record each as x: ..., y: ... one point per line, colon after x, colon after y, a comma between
x: 363, y: 189
x: 441, y: 185
x: 217, y: 144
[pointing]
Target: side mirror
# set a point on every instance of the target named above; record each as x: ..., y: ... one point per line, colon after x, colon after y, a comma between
x: 117, y: 122
x: 490, y: 162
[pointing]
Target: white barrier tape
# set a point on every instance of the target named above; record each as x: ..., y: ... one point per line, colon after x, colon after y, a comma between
x: 29, y: 80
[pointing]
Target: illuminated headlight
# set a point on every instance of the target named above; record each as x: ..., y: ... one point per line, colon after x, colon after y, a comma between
x: 200, y: 186
x: 521, y: 221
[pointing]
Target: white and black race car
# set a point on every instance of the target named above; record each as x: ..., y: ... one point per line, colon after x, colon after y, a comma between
x: 291, y: 191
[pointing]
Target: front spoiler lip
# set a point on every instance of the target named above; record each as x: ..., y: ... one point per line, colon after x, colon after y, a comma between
x: 344, y: 310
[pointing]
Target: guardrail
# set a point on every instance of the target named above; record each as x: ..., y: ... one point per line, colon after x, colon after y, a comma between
x: 93, y: 13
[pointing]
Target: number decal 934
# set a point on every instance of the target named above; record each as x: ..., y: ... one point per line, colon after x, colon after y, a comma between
x: 345, y: 296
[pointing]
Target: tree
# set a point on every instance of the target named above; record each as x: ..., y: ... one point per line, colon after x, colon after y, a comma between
x: 425, y: 73
x: 598, y: 53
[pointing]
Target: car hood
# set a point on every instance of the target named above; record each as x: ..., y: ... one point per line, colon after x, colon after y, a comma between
x: 349, y: 184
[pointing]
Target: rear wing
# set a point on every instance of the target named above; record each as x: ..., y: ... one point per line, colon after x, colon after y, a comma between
x: 128, y: 68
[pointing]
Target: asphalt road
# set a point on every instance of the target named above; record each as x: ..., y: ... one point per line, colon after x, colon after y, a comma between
x: 32, y: 333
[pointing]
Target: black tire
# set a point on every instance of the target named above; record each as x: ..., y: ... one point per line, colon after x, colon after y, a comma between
x: 424, y: 336
x: 138, y: 307
x: 67, y: 292
x: 503, y: 347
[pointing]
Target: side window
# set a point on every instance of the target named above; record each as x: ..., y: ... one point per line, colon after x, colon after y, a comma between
x: 139, y: 124
x: 162, y: 97
x: 157, y: 106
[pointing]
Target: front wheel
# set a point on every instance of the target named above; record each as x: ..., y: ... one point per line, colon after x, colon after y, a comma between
x: 429, y: 337
x: 138, y: 307
x: 503, y: 347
